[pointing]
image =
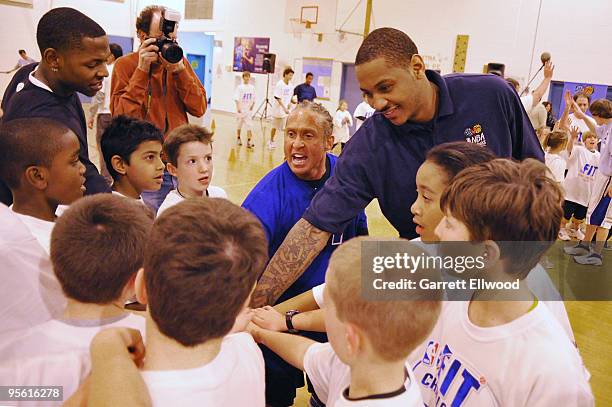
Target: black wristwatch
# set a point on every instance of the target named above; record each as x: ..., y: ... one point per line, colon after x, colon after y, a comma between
x: 289, y: 321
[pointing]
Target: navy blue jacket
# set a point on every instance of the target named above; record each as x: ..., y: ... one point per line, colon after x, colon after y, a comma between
x: 381, y: 160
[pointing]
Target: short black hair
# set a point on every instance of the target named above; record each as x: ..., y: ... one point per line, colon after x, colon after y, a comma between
x: 116, y: 50
x: 455, y: 156
x: 309, y: 74
x: 287, y: 70
x: 28, y: 142
x: 63, y: 28
x: 393, y: 45
x: 22, y: 51
x: 143, y: 22
x: 123, y: 136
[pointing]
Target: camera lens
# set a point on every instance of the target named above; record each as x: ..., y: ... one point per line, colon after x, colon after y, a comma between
x: 172, y: 52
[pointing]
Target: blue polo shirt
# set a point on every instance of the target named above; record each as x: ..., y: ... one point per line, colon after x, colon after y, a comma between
x: 381, y: 160
x: 279, y: 201
x: 305, y: 92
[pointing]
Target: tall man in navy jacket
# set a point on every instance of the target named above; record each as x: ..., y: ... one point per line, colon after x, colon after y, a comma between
x: 416, y: 109
x: 74, y: 49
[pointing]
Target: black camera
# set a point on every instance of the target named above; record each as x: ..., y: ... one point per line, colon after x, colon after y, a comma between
x: 169, y: 48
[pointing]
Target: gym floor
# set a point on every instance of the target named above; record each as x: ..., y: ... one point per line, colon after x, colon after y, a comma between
x: 237, y: 170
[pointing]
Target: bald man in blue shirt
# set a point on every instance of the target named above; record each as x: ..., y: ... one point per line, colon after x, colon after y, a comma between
x: 416, y: 109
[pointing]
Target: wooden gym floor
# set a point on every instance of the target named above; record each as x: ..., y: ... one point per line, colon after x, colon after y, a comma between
x: 237, y: 170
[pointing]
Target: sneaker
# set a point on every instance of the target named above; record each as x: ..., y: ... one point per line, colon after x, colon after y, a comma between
x: 579, y: 250
x: 592, y: 259
x: 570, y: 232
x: 579, y: 235
x: 564, y: 235
x: 250, y: 144
x: 239, y: 141
x: 271, y: 145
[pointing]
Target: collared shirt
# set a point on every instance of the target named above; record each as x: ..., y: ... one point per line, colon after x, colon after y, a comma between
x: 305, y: 92
x: 381, y: 160
x: 161, y: 98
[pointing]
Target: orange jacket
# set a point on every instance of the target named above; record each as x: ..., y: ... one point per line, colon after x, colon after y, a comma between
x: 130, y: 91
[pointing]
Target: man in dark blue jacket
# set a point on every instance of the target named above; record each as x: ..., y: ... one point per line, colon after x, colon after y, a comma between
x: 74, y: 50
x: 416, y: 109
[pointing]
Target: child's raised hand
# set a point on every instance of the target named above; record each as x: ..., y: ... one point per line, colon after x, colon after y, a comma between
x: 269, y: 318
x: 574, y: 132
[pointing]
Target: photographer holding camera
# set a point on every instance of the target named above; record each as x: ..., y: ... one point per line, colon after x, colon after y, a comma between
x: 157, y: 83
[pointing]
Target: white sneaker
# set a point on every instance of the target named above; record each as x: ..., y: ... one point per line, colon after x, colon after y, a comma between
x: 563, y: 235
x: 271, y: 145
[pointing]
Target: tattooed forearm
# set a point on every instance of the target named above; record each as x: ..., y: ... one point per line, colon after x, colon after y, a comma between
x: 302, y: 245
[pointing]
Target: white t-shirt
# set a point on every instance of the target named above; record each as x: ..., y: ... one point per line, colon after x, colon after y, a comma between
x: 57, y: 352
x: 580, y: 123
x: 330, y: 378
x: 106, y: 89
x: 245, y: 96
x: 29, y: 293
x: 527, y: 362
x: 284, y: 92
x: 527, y: 102
x: 341, y: 128
x: 40, y: 229
x: 604, y: 133
x: 120, y: 194
x: 557, y: 165
x: 235, y: 377
x: 537, y: 116
x: 363, y: 110
x: 582, y: 165
x: 58, y: 335
x: 174, y: 197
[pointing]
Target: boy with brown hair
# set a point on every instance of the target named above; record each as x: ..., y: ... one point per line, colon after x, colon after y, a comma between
x: 201, y: 264
x: 502, y: 347
x: 39, y: 161
x: 369, y: 341
x: 188, y: 149
x: 97, y: 247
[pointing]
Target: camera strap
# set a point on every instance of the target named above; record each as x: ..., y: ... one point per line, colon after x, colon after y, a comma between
x: 164, y: 91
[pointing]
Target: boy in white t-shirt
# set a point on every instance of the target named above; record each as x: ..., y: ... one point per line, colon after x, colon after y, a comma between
x: 201, y: 264
x: 281, y: 105
x: 362, y: 112
x: 132, y: 152
x: 188, y: 149
x: 502, y: 348
x: 97, y: 247
x: 582, y: 164
x: 244, y: 97
x: 364, y: 363
x: 39, y: 161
